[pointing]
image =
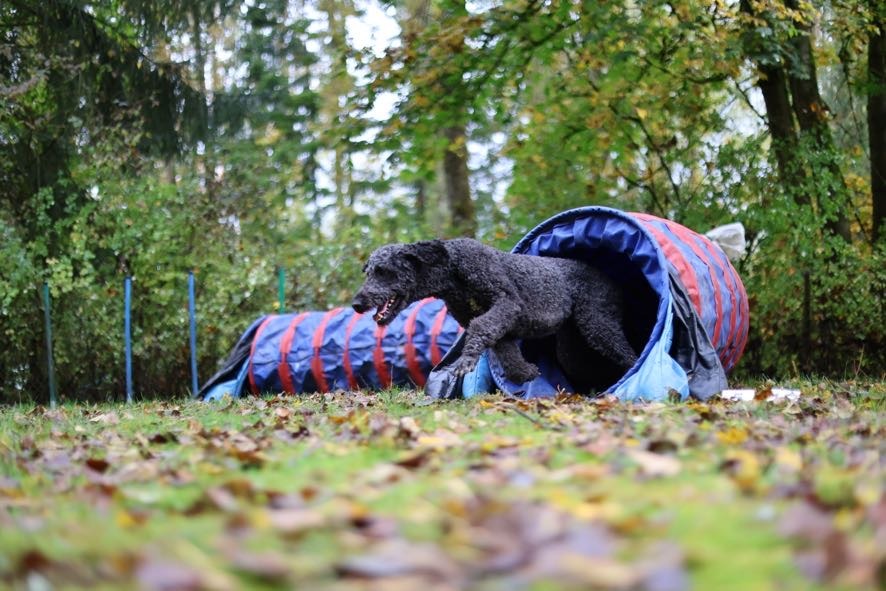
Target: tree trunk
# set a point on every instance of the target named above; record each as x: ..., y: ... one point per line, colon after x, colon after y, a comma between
x: 877, y: 119
x: 204, y: 162
x: 455, y: 159
x: 773, y: 85
x: 421, y: 199
x: 169, y: 170
x: 458, y: 189
x: 812, y: 115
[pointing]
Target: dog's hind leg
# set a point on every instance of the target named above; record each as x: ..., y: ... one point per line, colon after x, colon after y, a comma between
x: 602, y: 328
x: 516, y: 368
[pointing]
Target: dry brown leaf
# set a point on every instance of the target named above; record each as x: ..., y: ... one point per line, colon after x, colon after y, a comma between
x: 654, y: 465
x: 294, y: 522
x: 399, y: 557
x: 164, y: 575
x: 269, y: 567
x: 600, y: 573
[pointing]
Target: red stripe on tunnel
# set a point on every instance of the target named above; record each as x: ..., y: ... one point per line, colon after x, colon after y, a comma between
x: 283, y: 369
x: 675, y: 257
x: 346, y: 362
x: 691, y: 239
x: 436, y: 356
x: 378, y: 358
x: 317, y: 343
x: 412, y: 364
x: 746, y: 321
x: 251, y: 372
x: 727, y: 356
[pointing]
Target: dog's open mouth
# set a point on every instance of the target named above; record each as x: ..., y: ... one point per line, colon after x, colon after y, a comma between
x: 387, y: 310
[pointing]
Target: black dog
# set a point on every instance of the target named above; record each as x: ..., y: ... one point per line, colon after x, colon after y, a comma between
x: 501, y: 298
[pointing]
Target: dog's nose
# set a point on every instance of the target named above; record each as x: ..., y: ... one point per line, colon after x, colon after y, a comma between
x: 359, y: 304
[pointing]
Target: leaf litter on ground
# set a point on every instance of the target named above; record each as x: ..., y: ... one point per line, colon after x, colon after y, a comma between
x: 363, y: 491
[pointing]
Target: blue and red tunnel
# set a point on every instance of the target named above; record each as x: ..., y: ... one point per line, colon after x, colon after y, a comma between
x: 686, y: 313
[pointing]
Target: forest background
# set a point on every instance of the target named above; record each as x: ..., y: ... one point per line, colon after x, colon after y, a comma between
x: 234, y: 137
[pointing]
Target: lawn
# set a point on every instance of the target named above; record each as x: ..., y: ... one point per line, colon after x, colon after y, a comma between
x: 393, y: 491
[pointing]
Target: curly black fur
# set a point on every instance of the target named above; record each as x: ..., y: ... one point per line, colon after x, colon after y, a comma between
x: 501, y: 298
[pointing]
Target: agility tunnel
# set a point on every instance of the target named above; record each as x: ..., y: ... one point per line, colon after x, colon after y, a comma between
x: 335, y: 350
x: 686, y: 314
x: 685, y: 309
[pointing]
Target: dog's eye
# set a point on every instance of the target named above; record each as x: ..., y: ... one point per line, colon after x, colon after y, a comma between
x: 385, y: 272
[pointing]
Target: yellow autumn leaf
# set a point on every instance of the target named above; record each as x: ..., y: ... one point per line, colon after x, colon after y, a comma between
x: 733, y: 436
x: 788, y: 459
x: 744, y: 469
x: 124, y: 519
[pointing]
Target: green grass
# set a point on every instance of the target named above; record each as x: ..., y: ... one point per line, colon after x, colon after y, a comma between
x: 108, y: 496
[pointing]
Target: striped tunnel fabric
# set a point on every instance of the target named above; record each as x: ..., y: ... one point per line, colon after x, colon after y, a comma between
x: 342, y: 350
x: 711, y: 282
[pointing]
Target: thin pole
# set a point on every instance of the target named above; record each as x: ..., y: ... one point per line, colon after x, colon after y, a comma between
x: 127, y: 334
x: 49, y: 361
x: 192, y: 314
x: 281, y: 288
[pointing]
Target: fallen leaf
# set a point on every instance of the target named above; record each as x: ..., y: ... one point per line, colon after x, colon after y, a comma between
x: 733, y: 436
x: 805, y: 521
x: 161, y: 438
x: 164, y: 575
x: 107, y: 418
x: 662, y: 446
x: 744, y: 469
x: 654, y: 465
x: 764, y: 393
x: 407, y: 428
x: 400, y: 557
x: 99, y: 465
x: 269, y: 567
x: 600, y: 573
x: 414, y: 460
x: 294, y: 522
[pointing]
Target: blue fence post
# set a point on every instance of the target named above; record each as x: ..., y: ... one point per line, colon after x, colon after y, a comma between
x: 127, y: 334
x: 192, y: 315
x: 49, y: 360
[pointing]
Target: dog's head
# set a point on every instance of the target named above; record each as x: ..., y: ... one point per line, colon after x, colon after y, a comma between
x: 397, y: 275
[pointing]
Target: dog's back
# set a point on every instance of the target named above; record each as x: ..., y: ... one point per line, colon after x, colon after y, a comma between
x: 535, y: 277
x: 547, y: 287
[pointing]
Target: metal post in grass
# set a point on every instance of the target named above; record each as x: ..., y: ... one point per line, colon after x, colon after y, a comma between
x: 192, y: 316
x: 281, y: 288
x: 127, y: 334
x: 49, y: 361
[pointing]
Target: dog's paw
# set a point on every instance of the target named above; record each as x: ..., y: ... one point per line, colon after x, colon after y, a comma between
x: 463, y: 366
x: 523, y: 374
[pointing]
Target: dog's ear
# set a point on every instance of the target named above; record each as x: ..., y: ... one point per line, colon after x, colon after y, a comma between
x: 428, y: 252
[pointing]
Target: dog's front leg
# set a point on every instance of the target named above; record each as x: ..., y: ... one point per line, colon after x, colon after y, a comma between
x: 485, y: 331
x: 515, y: 366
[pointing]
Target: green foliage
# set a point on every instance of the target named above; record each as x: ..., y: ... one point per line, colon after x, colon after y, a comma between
x: 647, y: 107
x: 152, y: 137
x: 816, y: 301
